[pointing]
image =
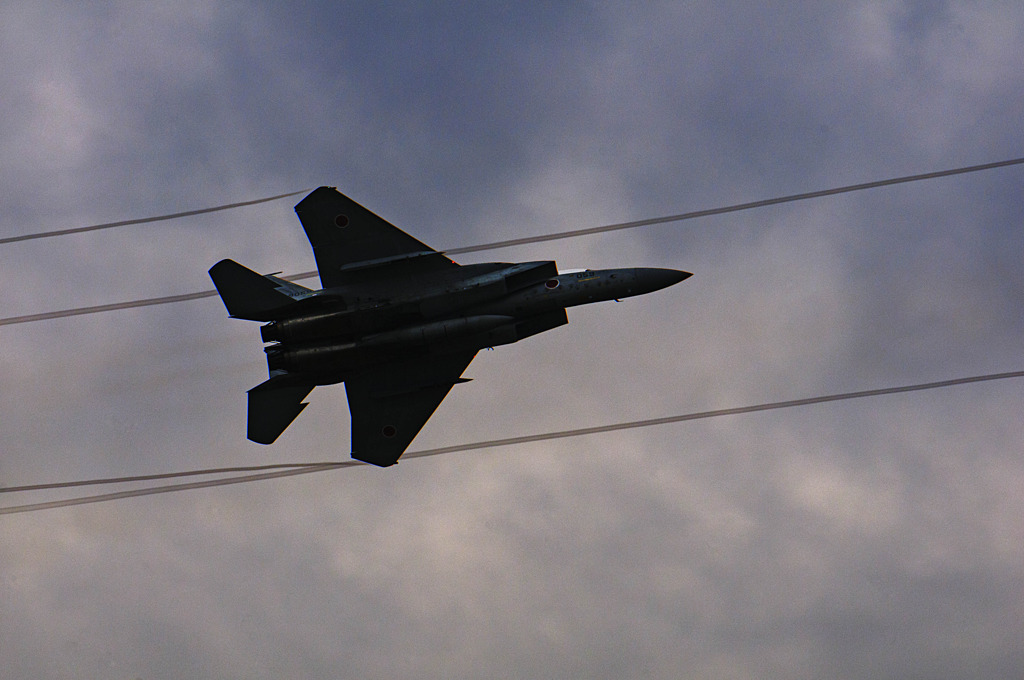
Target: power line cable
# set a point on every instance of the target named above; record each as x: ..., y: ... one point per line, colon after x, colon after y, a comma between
x: 306, y: 468
x: 76, y: 311
x: 144, y: 220
x: 149, y: 491
x: 95, y: 309
x: 153, y: 477
x: 737, y: 207
x: 148, y: 302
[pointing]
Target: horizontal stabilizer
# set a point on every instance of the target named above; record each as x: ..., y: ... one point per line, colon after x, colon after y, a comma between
x: 273, y: 405
x: 290, y: 288
x: 248, y: 295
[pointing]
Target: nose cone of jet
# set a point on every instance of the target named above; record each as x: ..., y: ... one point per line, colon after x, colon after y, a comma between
x: 651, y: 279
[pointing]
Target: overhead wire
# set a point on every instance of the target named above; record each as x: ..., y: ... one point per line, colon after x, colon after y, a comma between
x: 736, y: 207
x: 287, y: 469
x: 152, y: 477
x: 306, y: 468
x: 144, y: 220
x: 95, y: 309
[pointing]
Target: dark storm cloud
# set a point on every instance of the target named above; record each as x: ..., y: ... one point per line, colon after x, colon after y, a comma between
x: 881, y: 538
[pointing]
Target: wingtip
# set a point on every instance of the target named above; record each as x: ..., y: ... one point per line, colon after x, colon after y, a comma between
x: 378, y: 461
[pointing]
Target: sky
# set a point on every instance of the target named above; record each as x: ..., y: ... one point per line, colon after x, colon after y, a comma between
x: 876, y: 538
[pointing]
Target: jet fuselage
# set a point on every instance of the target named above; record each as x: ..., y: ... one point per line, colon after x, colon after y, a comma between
x: 360, y: 330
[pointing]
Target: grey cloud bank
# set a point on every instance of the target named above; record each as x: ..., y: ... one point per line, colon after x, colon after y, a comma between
x: 867, y: 539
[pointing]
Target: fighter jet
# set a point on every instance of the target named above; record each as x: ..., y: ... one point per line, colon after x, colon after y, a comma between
x: 396, y: 321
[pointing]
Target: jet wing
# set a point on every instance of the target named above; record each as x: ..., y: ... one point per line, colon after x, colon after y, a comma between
x: 391, y: 403
x: 347, y: 238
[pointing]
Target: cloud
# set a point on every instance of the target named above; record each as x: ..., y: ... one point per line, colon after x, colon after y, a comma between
x: 859, y: 539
